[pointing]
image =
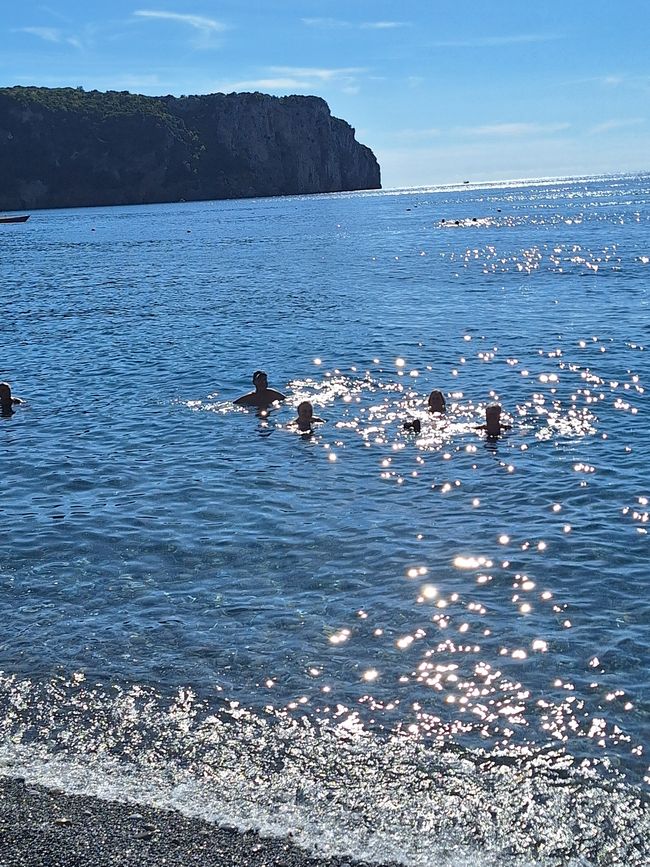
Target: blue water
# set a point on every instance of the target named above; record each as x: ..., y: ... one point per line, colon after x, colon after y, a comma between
x: 166, y: 555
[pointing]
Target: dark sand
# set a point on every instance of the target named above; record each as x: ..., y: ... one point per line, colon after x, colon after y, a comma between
x: 42, y: 827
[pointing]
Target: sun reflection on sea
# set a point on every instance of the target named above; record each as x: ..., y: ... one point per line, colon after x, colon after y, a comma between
x: 468, y: 671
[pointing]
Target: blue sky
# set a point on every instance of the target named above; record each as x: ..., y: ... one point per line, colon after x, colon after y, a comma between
x: 441, y: 91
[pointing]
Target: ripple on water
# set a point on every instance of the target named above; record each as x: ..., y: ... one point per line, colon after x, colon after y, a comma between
x: 436, y: 583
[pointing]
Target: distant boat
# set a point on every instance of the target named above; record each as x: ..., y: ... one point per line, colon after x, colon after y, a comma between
x: 22, y: 219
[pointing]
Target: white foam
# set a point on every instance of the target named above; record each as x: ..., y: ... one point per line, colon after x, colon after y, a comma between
x: 229, y: 800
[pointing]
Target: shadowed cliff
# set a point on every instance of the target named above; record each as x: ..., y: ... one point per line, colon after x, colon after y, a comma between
x: 69, y: 148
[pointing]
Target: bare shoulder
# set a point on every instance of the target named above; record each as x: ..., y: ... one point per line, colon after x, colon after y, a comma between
x: 246, y: 399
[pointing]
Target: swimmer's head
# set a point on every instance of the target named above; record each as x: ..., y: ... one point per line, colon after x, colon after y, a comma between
x: 5, y: 391
x: 437, y: 402
x: 415, y: 425
x: 305, y: 411
x: 493, y: 419
x: 260, y: 379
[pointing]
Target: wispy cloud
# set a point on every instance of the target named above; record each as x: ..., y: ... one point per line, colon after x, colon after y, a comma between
x: 325, y: 22
x: 319, y: 73
x: 338, y: 23
x: 604, y: 80
x: 50, y: 34
x: 497, y: 41
x: 299, y: 79
x: 205, y: 27
x: 383, y: 25
x: 611, y: 125
x: 263, y: 84
x: 612, y: 81
x: 513, y: 130
x: 417, y: 135
x: 209, y: 25
x: 490, y: 132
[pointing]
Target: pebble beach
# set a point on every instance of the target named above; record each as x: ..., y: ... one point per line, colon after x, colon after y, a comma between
x: 40, y: 827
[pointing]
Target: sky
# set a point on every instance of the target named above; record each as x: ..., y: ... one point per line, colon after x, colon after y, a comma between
x: 478, y: 90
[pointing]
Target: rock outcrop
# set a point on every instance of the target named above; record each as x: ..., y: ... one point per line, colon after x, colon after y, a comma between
x: 67, y: 147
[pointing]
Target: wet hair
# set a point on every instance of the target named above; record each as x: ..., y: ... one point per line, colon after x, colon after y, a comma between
x: 304, y: 405
x: 257, y: 375
x: 436, y: 401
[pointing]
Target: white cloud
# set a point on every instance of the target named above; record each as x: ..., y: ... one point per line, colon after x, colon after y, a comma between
x: 417, y: 135
x: 383, y: 25
x: 49, y: 34
x: 491, y: 132
x: 298, y: 79
x: 263, y: 84
x: 496, y: 41
x: 321, y: 74
x: 325, y: 22
x: 205, y: 25
x: 513, y: 130
x: 606, y: 80
x: 452, y: 161
x: 610, y: 125
x: 332, y: 23
x: 630, y: 82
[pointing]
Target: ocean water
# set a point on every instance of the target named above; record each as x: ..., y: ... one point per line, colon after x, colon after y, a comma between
x: 432, y: 647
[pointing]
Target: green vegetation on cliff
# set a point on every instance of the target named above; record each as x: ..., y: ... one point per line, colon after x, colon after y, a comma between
x: 66, y: 147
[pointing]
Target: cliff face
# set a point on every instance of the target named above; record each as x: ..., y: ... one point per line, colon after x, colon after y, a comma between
x: 68, y: 148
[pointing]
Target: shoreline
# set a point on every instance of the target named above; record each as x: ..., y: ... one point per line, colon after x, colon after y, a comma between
x: 42, y: 827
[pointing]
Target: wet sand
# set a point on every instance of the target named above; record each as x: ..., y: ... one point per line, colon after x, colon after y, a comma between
x: 43, y: 828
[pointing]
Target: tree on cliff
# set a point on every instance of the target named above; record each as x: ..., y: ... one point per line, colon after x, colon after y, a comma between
x: 66, y: 147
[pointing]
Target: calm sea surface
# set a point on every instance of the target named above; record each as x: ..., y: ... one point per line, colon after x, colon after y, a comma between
x: 427, y: 647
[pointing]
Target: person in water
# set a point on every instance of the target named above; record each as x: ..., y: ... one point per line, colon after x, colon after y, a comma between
x: 436, y: 402
x: 263, y: 396
x: 306, y: 417
x: 415, y: 426
x: 493, y: 427
x: 7, y: 400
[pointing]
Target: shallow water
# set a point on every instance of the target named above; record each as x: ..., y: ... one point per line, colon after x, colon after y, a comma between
x: 428, y: 595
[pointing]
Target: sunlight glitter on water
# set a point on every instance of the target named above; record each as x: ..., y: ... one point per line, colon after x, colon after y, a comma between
x: 435, y: 582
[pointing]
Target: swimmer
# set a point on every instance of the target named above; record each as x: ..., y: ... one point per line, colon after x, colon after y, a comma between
x: 436, y: 401
x: 493, y: 427
x: 263, y: 396
x: 306, y: 417
x: 415, y: 425
x: 7, y: 401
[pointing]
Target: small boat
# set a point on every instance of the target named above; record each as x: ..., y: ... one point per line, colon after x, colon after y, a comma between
x: 22, y: 219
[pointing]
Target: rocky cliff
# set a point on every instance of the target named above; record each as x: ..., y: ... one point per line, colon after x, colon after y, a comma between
x: 69, y: 148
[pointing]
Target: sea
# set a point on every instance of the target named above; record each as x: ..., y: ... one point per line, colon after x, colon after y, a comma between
x: 428, y: 648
